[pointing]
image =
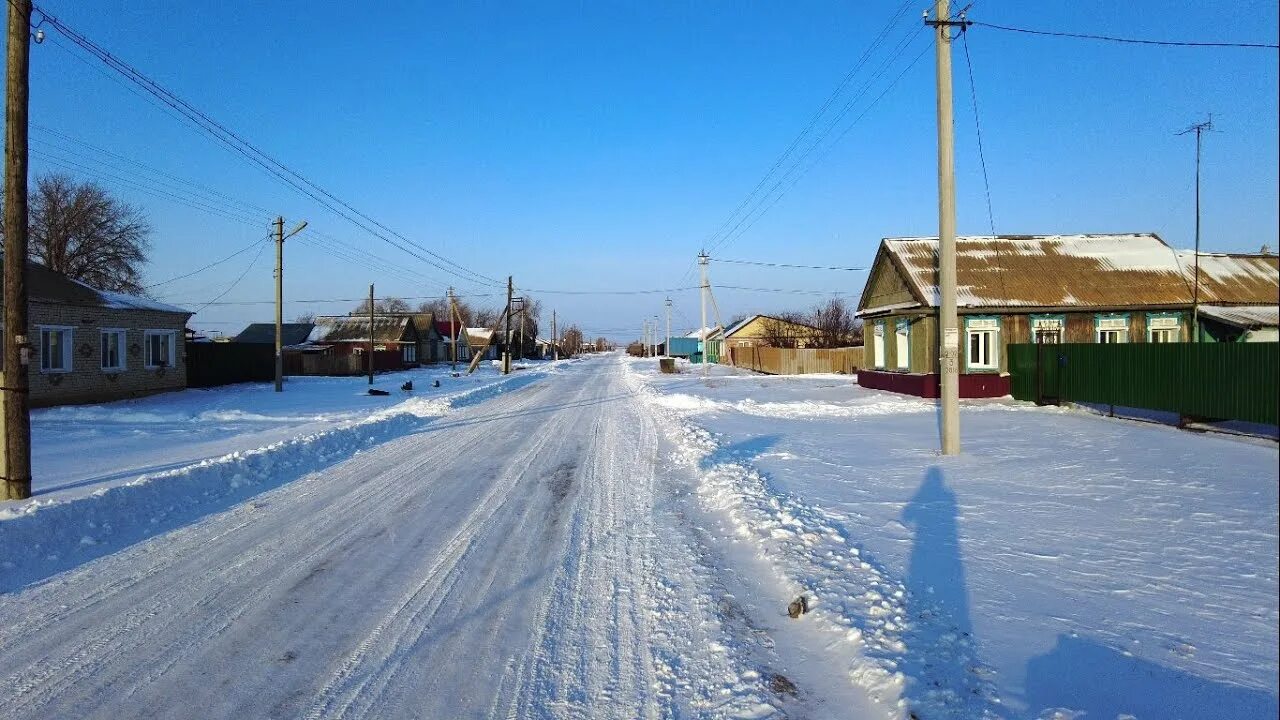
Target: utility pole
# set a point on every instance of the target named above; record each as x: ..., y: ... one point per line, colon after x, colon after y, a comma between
x: 506, y: 337
x: 453, y: 335
x: 555, y: 339
x: 17, y: 351
x: 948, y: 322
x: 280, y: 238
x: 668, y: 345
x: 1199, y: 129
x: 702, y: 268
x: 279, y: 303
x: 371, y: 333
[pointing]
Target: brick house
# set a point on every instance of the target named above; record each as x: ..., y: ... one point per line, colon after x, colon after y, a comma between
x: 93, y: 346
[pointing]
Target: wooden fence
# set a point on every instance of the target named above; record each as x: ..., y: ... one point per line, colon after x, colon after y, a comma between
x: 783, y: 361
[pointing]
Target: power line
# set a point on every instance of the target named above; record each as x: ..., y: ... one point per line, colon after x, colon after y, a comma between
x: 804, y: 132
x: 1131, y: 41
x: 977, y: 122
x: 252, y: 262
x: 215, y: 263
x: 260, y: 158
x: 786, y: 265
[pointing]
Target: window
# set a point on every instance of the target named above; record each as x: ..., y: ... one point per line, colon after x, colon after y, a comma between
x: 55, y: 349
x: 112, y: 349
x: 878, y: 344
x: 1047, y: 328
x: 1112, y: 329
x: 902, y: 347
x: 159, y: 348
x: 410, y: 353
x: 983, y: 335
x: 1163, y: 328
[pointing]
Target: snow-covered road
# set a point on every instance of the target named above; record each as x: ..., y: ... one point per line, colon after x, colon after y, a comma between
x: 527, y: 556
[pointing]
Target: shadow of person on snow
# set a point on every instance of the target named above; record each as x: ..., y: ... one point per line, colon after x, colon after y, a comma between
x: 1082, y: 677
x: 944, y: 677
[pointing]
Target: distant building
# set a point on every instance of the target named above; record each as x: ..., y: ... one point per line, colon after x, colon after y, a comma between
x: 265, y: 333
x: 91, y: 346
x: 1050, y: 288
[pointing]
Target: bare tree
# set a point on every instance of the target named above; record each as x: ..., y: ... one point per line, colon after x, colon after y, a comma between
x: 485, y: 317
x: 386, y: 306
x: 571, y: 341
x: 436, y: 306
x: 787, y: 330
x: 835, y: 325
x: 82, y: 231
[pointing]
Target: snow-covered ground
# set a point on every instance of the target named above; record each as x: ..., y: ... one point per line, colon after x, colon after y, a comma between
x: 591, y: 539
x: 1065, y: 566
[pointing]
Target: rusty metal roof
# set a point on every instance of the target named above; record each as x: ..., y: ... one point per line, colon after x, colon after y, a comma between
x: 354, y: 328
x: 1071, y: 271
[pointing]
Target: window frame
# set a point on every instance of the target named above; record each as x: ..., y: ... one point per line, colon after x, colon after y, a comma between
x: 902, y: 345
x: 147, y: 360
x: 407, y: 350
x: 991, y: 325
x: 877, y: 347
x: 1062, y: 326
x: 1175, y: 329
x: 68, y: 357
x: 123, y: 335
x: 1098, y: 328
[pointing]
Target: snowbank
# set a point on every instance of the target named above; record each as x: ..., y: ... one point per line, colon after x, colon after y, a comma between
x: 49, y: 534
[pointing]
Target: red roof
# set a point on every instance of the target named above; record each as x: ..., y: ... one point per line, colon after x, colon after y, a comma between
x: 442, y: 327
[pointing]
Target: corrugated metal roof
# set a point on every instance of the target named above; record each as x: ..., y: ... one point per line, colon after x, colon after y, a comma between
x: 265, y: 333
x: 1118, y: 270
x: 1244, y: 316
x: 354, y: 328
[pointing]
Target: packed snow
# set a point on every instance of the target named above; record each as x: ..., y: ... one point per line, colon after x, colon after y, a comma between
x: 1066, y: 565
x: 595, y: 539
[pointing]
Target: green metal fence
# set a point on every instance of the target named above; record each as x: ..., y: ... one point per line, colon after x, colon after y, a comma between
x: 1225, y: 381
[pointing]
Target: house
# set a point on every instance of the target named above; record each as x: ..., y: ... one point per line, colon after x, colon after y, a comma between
x: 1047, y: 288
x: 767, y: 331
x: 265, y: 333
x: 432, y: 347
x: 394, y: 337
x: 1248, y: 323
x: 90, y: 345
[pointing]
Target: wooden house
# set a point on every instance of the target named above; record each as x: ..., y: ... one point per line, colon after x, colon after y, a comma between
x: 1052, y: 288
x: 394, y: 337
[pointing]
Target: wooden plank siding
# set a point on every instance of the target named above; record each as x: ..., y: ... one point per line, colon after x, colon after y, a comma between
x: 786, y: 361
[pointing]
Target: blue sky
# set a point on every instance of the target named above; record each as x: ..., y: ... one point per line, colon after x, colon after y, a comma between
x: 597, y: 146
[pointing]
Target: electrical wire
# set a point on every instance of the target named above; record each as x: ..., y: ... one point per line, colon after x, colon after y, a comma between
x: 237, y: 280
x: 215, y: 263
x: 787, y: 265
x: 261, y: 159
x: 977, y: 122
x: 1131, y: 41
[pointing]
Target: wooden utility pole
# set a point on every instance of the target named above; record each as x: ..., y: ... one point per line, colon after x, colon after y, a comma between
x: 555, y: 339
x: 17, y: 350
x: 279, y: 304
x: 948, y: 322
x: 453, y: 334
x: 370, y: 333
x: 1199, y: 129
x: 506, y: 335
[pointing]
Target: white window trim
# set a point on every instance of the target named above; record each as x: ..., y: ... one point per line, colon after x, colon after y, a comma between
x: 146, y: 348
x: 878, y: 350
x: 409, y: 353
x: 67, y: 355
x: 124, y: 344
x: 991, y: 325
x: 902, y: 345
x: 1175, y: 334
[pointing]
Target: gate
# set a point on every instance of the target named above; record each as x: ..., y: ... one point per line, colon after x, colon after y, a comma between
x: 1049, y: 363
